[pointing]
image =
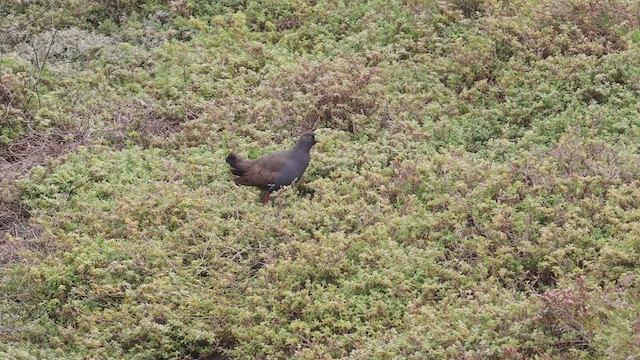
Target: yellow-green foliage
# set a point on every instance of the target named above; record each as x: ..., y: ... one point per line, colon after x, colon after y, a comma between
x: 474, y: 194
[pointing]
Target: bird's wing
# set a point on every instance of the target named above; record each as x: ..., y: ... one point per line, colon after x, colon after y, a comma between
x: 263, y: 171
x: 274, y: 162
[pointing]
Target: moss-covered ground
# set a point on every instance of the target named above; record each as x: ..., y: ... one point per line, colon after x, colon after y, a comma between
x: 475, y: 193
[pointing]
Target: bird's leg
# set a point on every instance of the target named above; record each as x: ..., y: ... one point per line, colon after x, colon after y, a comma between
x: 265, y: 199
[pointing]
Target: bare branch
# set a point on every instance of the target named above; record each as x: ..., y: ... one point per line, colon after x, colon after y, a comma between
x: 40, y: 64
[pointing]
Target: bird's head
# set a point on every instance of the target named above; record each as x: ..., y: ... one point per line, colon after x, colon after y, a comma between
x: 307, y: 139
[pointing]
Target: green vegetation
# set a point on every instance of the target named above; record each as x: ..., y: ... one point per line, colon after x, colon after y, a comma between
x: 474, y: 194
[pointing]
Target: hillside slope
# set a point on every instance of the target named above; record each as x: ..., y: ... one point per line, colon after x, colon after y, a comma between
x: 474, y: 194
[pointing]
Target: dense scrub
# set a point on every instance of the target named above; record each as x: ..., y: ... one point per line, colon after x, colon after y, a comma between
x: 474, y: 193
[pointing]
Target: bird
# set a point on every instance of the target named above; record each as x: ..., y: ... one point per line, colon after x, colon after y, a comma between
x: 273, y: 171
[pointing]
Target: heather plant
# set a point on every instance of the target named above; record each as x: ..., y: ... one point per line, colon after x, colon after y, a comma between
x: 473, y: 193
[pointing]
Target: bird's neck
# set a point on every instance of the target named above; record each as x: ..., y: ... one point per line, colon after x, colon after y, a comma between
x: 301, y: 147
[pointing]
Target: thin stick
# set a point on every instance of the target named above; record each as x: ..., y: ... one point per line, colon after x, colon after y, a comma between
x: 40, y: 65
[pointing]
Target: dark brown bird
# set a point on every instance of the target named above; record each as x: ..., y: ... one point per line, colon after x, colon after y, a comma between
x: 271, y: 172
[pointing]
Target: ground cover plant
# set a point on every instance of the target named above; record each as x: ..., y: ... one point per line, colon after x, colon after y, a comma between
x: 474, y: 194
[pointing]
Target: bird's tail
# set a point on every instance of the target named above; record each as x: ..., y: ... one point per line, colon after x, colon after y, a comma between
x: 234, y: 161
